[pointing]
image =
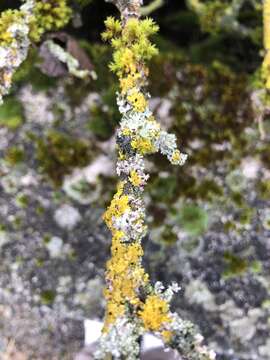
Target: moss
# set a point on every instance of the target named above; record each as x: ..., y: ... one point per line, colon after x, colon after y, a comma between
x: 208, y: 189
x: 229, y: 225
x: 27, y: 73
x: 47, y: 297
x: 48, y: 16
x: 11, y: 114
x: 265, y: 155
x: 40, y: 210
x: 14, y: 155
x: 246, y: 215
x: 238, y: 199
x: 193, y: 219
x: 168, y: 236
x: 58, y: 154
x: 17, y: 222
x: 256, y: 267
x: 2, y: 227
x: 235, y: 265
x: 191, y: 244
x: 163, y: 189
x: 22, y: 200
x: 100, y: 55
x: 40, y: 263
x: 46, y: 239
x: 102, y: 123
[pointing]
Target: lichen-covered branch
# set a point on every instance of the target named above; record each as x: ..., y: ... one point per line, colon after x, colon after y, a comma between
x: 18, y: 28
x: 14, y: 42
x: 128, y: 8
x: 134, y: 306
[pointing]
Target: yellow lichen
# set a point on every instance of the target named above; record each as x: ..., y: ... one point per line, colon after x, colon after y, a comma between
x: 8, y: 18
x: 137, y: 100
x: 155, y: 313
x: 143, y: 145
x: 176, y: 157
x: 135, y: 178
x: 167, y: 335
x: 129, y: 82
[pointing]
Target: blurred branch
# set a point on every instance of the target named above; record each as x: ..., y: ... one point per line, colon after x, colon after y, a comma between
x: 153, y: 6
x: 127, y: 8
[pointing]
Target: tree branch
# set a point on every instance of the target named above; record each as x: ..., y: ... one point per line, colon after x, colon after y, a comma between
x: 154, y: 5
x: 128, y: 8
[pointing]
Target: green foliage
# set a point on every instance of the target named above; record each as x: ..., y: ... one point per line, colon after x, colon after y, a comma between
x: 11, y: 114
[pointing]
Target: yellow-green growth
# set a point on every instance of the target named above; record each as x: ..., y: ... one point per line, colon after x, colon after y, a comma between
x: 49, y: 15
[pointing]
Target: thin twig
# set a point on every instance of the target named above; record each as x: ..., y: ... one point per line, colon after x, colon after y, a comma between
x: 153, y: 6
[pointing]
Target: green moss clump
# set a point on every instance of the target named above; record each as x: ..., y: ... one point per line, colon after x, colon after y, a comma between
x: 168, y: 236
x: 11, y: 114
x: 58, y: 154
x: 49, y: 15
x: 263, y: 188
x: 47, y: 297
x: 22, y: 200
x: 208, y: 189
x: 163, y: 189
x: 27, y: 73
x: 235, y: 265
x: 256, y: 267
x: 104, y: 119
x: 193, y: 219
x: 14, y: 156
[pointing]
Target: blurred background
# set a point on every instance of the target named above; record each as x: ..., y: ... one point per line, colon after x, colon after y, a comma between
x: 209, y: 221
